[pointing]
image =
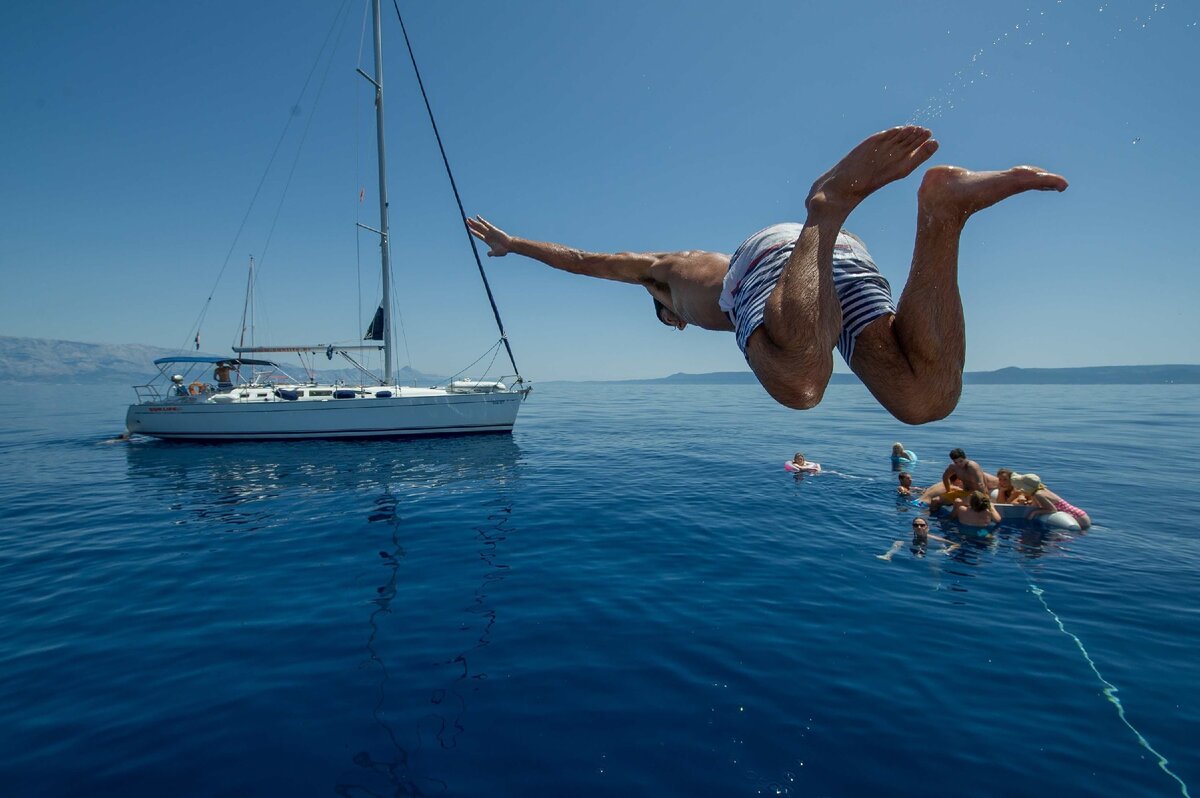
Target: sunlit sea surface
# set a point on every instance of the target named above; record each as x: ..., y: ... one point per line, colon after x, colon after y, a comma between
x: 628, y: 596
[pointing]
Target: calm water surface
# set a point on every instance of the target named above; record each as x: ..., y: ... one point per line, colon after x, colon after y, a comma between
x: 628, y: 596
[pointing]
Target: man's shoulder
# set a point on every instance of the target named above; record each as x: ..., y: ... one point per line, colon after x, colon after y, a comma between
x: 692, y: 260
x: 690, y: 255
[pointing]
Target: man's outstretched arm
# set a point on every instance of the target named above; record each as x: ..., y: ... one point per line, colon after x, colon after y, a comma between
x: 625, y: 267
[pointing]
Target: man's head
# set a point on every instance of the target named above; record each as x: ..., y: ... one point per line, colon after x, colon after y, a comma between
x: 667, y: 316
x: 905, y: 479
x: 956, y: 455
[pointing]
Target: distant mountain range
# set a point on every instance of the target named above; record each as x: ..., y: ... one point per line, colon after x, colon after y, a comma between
x: 48, y: 360
x: 1087, y: 375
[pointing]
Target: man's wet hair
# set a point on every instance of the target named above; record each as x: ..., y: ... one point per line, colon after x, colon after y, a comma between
x: 957, y: 453
x: 658, y: 311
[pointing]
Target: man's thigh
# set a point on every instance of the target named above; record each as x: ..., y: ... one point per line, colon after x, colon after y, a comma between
x: 913, y: 396
x: 878, y: 359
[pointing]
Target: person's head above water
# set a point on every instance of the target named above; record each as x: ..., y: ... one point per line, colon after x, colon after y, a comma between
x: 905, y: 479
x: 898, y: 449
x: 799, y: 458
x: 667, y: 316
x: 979, y: 501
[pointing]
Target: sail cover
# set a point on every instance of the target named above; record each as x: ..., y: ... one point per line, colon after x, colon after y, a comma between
x: 375, y: 328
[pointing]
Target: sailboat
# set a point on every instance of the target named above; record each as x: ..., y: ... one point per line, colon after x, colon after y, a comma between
x: 251, y: 398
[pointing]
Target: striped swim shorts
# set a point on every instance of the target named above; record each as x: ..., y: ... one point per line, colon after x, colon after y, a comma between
x: 754, y: 269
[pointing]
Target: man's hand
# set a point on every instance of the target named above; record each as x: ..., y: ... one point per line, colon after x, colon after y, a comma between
x: 498, y: 241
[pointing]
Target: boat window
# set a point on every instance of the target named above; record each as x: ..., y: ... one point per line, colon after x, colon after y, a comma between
x: 320, y: 393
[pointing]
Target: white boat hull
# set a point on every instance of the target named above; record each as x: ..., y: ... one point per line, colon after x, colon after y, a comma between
x: 431, y: 413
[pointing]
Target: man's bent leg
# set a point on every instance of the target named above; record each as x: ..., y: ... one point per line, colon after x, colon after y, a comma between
x: 913, y: 362
x: 792, y: 354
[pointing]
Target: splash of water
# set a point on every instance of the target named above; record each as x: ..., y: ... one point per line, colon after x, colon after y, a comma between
x: 1028, y: 33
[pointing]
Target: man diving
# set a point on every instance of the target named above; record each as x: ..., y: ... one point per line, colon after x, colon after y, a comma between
x: 792, y: 293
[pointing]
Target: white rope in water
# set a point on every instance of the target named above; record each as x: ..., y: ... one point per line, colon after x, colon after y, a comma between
x: 1110, y: 691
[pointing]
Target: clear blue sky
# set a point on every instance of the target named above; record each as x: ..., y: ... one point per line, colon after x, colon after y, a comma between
x: 134, y: 135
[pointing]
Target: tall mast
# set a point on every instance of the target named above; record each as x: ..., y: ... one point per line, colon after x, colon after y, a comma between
x: 384, y: 247
x: 248, y: 307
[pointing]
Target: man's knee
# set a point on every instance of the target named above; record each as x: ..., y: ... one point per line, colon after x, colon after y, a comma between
x: 794, y: 380
x: 797, y: 393
x: 924, y: 405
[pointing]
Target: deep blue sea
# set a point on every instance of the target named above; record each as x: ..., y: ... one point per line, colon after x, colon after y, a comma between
x: 628, y: 596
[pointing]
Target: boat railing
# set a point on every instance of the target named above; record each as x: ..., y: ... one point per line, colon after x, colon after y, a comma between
x: 505, y: 383
x: 147, y: 393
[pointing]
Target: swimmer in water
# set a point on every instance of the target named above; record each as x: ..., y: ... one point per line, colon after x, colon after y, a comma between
x: 920, y: 540
x: 799, y: 463
x: 977, y: 512
x: 906, y: 488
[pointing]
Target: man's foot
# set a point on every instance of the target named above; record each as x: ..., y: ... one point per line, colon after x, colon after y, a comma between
x: 951, y: 193
x: 880, y: 159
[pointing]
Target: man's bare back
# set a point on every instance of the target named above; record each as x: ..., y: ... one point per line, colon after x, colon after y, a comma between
x: 911, y: 359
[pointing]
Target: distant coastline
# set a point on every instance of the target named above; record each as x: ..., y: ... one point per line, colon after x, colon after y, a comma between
x: 50, y: 360
x: 53, y: 361
x: 1012, y: 375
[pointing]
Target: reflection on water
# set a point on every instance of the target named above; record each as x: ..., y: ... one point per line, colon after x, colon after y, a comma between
x: 231, y: 475
x: 243, y: 489
x: 444, y: 722
x: 395, y: 767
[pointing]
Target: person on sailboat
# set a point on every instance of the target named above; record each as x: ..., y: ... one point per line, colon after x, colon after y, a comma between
x: 221, y: 375
x: 792, y: 292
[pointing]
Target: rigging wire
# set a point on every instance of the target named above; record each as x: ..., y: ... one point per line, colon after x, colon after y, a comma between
x: 494, y: 349
x: 400, y: 318
x: 196, y: 325
x: 495, y: 354
x: 300, y: 147
x: 454, y: 186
